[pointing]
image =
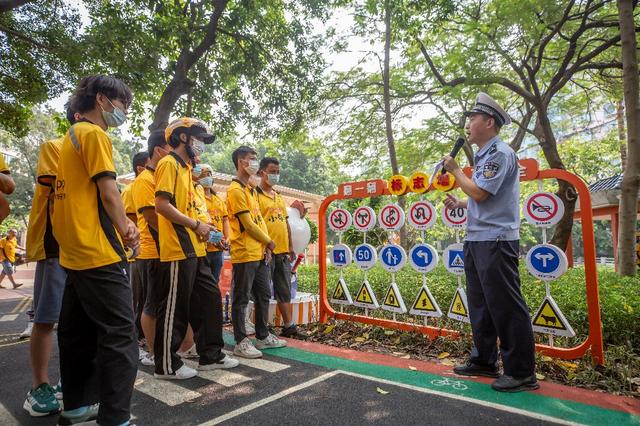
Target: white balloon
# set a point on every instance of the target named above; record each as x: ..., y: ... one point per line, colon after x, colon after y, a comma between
x: 300, y: 230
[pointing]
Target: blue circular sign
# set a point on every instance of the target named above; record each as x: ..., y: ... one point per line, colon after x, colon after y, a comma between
x: 392, y: 257
x: 365, y: 256
x: 423, y: 257
x: 546, y: 262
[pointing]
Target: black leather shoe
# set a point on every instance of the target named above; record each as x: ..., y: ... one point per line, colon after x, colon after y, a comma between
x: 293, y: 331
x: 506, y: 383
x: 471, y: 369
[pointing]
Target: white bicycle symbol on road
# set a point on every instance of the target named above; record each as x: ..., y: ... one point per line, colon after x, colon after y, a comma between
x: 456, y: 384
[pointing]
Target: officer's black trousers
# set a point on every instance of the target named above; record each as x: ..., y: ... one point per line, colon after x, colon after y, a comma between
x: 97, y: 341
x: 496, y: 307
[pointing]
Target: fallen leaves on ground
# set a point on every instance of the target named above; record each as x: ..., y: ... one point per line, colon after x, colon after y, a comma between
x: 381, y: 391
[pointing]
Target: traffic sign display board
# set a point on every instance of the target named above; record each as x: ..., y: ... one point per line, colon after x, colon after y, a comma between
x: 453, y: 259
x: 546, y: 262
x: 425, y: 304
x: 366, y: 298
x: 392, y: 257
x: 393, y: 301
x: 459, y: 309
x: 364, y: 218
x: 341, y: 295
x: 340, y: 255
x: 422, y: 215
x: 339, y: 220
x: 454, y: 218
x: 391, y: 217
x: 543, y: 209
x: 550, y: 320
x: 423, y: 257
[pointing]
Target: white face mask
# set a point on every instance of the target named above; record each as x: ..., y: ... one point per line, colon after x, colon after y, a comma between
x: 273, y: 179
x: 252, y: 167
x: 206, y: 181
x: 198, y: 147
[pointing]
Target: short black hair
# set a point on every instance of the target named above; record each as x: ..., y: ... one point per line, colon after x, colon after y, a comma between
x: 139, y: 160
x: 84, y: 97
x: 156, y: 138
x: 70, y: 112
x: 264, y: 163
x: 241, y: 152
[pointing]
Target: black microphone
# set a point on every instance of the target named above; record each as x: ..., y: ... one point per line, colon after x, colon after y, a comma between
x: 454, y: 152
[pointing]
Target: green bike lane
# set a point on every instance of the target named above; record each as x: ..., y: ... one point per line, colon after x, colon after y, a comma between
x: 552, y: 403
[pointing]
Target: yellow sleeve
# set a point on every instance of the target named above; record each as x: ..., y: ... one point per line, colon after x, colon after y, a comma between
x: 97, y: 154
x: 236, y: 202
x: 253, y: 230
x: 166, y: 175
x: 3, y: 166
x: 144, y: 197
x: 203, y: 213
x: 48, y: 162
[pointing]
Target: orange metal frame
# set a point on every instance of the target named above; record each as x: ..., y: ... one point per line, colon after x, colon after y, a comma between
x: 529, y: 171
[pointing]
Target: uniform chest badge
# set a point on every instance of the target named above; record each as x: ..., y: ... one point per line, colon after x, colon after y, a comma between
x: 490, y: 169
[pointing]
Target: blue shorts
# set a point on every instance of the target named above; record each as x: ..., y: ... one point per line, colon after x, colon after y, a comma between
x: 48, y: 289
x: 7, y: 267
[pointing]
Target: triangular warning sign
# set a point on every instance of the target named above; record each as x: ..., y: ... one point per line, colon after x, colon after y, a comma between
x: 550, y: 320
x: 425, y: 304
x: 366, y: 298
x: 393, y: 300
x: 458, y: 309
x: 341, y: 295
x: 457, y: 261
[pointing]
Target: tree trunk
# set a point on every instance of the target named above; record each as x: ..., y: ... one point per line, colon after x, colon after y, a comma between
x: 621, y: 135
x: 391, y: 145
x: 566, y: 191
x: 8, y: 5
x: 631, y: 180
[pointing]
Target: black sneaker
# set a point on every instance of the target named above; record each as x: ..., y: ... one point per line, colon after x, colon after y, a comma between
x: 471, y: 369
x: 506, y: 383
x: 292, y: 331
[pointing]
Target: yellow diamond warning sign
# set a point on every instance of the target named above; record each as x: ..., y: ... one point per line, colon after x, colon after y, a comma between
x: 425, y: 304
x: 458, y: 309
x: 366, y: 298
x: 341, y: 295
x: 550, y: 320
x: 393, y: 300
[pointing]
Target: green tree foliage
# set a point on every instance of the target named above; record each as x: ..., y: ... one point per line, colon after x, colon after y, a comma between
x: 38, y: 55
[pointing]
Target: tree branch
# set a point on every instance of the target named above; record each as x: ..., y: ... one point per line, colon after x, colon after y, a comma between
x: 7, y: 5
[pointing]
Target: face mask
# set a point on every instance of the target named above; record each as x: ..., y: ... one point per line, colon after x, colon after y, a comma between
x: 273, y: 179
x: 197, y: 170
x: 252, y: 168
x: 198, y: 146
x: 115, y: 118
x: 206, y: 181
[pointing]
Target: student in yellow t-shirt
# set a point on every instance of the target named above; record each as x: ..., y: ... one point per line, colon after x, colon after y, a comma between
x: 274, y: 212
x: 8, y: 255
x: 217, y: 209
x: 251, y: 250
x: 188, y: 292
x: 89, y: 222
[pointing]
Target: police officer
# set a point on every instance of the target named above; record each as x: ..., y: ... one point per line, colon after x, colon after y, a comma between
x: 496, y: 307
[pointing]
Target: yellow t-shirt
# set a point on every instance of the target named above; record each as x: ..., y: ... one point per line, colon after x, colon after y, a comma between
x: 41, y: 243
x: 127, y: 200
x: 217, y: 212
x: 241, y: 199
x: 143, y: 190
x: 173, y: 180
x: 274, y: 213
x: 87, y: 237
x: 3, y: 166
x: 201, y: 203
x: 8, y: 249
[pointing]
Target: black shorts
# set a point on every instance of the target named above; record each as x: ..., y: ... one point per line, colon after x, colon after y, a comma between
x: 281, y: 277
x: 150, y: 276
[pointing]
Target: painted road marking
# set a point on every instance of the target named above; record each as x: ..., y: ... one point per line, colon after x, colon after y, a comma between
x: 164, y: 390
x: 22, y: 306
x: 463, y: 398
x: 8, y: 317
x: 222, y: 377
x: 260, y: 364
x: 265, y: 401
x: 6, y: 418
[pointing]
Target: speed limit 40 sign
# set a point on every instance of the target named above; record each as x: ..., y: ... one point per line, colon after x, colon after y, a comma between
x: 454, y: 218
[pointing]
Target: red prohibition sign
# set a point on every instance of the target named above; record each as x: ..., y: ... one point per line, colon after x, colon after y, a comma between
x: 550, y: 213
x: 366, y: 215
x: 339, y: 219
x: 383, y: 216
x: 416, y: 218
x: 462, y: 220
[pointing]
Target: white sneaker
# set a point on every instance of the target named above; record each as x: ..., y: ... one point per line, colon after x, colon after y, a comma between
x: 142, y: 353
x: 245, y: 349
x: 224, y: 363
x: 27, y: 331
x: 190, y: 353
x: 271, y: 341
x: 182, y: 373
x: 148, y: 360
x: 249, y: 328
